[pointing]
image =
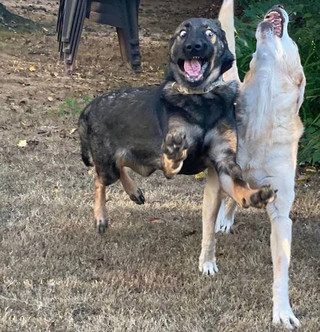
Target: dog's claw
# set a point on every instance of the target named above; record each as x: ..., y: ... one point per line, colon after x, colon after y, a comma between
x: 245, y: 204
x: 287, y: 318
x: 209, y: 268
x: 138, y: 198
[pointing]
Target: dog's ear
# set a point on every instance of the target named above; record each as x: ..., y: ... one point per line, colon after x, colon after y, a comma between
x: 214, y: 22
x: 168, y: 71
x: 227, y: 57
x: 217, y: 22
x: 168, y: 76
x: 226, y: 60
x: 171, y: 41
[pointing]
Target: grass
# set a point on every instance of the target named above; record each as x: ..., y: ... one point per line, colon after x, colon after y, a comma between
x: 73, y: 105
x: 57, y: 274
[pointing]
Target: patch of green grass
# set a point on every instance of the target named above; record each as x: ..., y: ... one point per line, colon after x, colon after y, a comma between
x: 73, y: 105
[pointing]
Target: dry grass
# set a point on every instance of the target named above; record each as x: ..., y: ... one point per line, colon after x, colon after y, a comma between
x: 57, y: 274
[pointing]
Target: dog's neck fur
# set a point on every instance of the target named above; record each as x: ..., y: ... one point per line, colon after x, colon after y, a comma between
x: 195, y: 91
x: 275, y: 73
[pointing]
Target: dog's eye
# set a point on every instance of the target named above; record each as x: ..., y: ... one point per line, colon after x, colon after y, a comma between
x: 209, y: 33
x: 182, y: 33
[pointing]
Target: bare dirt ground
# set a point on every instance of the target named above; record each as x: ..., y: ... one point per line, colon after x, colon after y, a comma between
x: 56, y: 273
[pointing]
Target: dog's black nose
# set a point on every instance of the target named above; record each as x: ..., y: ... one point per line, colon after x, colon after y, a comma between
x: 195, y: 46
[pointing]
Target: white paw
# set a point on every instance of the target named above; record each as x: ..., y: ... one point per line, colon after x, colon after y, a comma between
x: 209, y: 268
x: 224, y: 220
x: 224, y: 226
x: 285, y: 316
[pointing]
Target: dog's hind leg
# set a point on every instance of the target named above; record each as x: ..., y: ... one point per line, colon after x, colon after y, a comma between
x: 211, y: 204
x: 106, y: 174
x: 174, y: 150
x: 100, y: 213
x: 225, y: 218
x: 130, y: 187
x: 280, y: 238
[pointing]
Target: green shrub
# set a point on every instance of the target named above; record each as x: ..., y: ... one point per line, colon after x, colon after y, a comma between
x: 304, y: 29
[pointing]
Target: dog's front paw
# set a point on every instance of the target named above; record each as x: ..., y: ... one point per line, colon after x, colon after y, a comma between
x: 174, y: 150
x: 101, y: 225
x: 138, y: 197
x: 174, y: 145
x: 285, y: 316
x: 208, y: 268
x: 261, y: 197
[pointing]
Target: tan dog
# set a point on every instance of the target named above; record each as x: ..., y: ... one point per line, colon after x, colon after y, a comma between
x: 269, y: 128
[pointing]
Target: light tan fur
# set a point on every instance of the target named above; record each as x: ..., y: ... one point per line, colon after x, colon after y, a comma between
x: 100, y: 212
x: 171, y: 167
x: 269, y: 129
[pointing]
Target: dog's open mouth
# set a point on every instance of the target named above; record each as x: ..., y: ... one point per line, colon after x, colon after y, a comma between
x: 193, y: 69
x: 276, y: 19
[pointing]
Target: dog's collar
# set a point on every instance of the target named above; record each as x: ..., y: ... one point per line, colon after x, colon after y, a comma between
x: 189, y: 91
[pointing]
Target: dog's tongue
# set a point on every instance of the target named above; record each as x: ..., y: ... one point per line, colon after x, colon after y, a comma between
x: 192, y: 67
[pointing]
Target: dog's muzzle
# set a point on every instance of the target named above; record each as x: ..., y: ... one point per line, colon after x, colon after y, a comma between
x: 276, y: 17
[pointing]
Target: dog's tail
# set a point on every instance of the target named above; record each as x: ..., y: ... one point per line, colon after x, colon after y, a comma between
x: 83, y: 132
x: 226, y: 18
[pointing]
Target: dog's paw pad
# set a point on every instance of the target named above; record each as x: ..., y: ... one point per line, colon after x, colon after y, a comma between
x: 138, y: 197
x: 263, y: 196
x: 174, y: 145
x: 101, y: 225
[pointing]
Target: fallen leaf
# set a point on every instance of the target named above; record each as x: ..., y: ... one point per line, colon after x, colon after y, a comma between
x: 22, y: 143
x: 32, y: 69
x: 72, y: 131
x: 200, y: 175
x: 311, y: 169
x: 303, y: 178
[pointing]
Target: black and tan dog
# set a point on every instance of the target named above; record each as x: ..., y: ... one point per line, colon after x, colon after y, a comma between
x: 184, y: 126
